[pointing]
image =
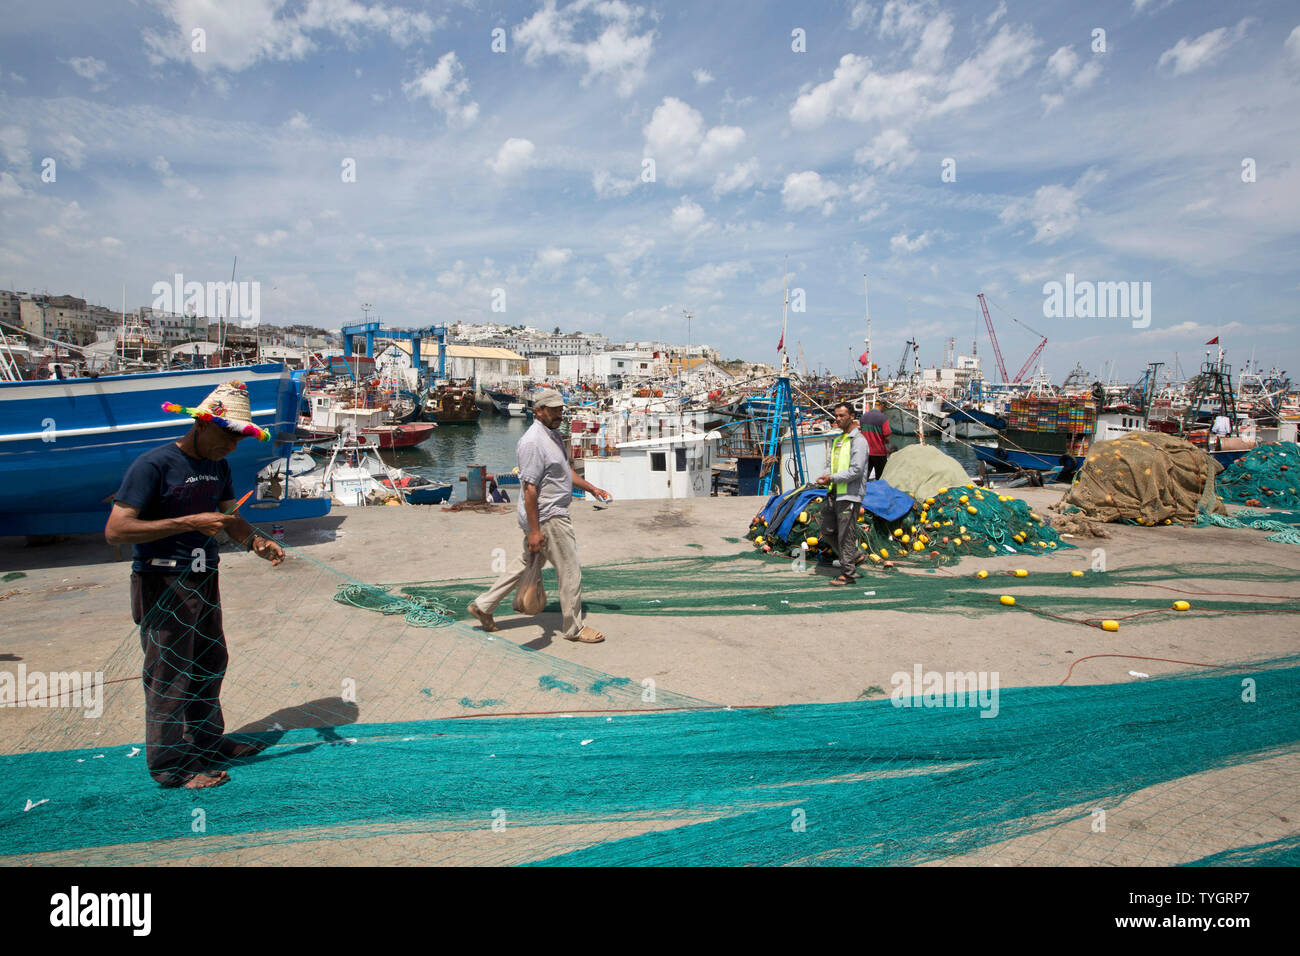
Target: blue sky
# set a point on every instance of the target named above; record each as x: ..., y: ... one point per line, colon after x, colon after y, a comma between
x: 523, y: 170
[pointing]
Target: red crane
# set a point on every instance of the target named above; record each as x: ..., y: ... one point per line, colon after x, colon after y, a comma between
x: 997, y: 350
x: 1033, y: 357
x: 993, y: 337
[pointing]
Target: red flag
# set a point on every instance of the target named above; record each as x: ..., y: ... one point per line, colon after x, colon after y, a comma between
x: 1213, y: 341
x: 780, y: 345
x: 862, y: 359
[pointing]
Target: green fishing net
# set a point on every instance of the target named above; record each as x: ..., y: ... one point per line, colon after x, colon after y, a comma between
x: 1267, y: 477
x: 939, y: 530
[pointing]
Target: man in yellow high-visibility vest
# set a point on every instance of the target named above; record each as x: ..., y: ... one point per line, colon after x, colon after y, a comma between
x: 839, y: 515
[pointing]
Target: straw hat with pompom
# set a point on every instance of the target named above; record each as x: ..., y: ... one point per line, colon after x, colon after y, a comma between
x: 228, y: 407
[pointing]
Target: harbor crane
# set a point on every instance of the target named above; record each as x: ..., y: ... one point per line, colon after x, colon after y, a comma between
x: 997, y: 349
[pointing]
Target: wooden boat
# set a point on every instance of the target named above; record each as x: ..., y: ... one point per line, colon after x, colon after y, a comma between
x: 452, y: 405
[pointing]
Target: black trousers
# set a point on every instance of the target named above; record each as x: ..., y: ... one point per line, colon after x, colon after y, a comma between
x: 838, y: 521
x: 184, y: 664
x: 876, y: 465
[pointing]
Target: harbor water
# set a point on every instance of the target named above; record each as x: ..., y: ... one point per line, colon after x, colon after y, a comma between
x: 491, y: 442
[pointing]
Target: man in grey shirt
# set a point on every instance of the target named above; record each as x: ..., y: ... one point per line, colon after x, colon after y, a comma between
x: 547, y: 480
x: 839, y: 514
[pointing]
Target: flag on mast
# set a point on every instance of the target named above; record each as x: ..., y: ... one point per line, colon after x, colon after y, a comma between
x: 1213, y: 341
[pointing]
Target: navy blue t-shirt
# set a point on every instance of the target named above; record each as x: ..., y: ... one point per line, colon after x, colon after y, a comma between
x: 167, y: 483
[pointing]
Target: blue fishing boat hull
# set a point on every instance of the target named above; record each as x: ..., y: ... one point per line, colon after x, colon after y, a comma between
x: 65, y: 444
x: 1008, y: 459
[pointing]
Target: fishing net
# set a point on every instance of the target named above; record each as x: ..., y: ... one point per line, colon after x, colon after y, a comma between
x: 393, y: 733
x: 1147, y: 478
x: 1284, y: 526
x: 938, y: 530
x: 921, y: 470
x: 1266, y: 477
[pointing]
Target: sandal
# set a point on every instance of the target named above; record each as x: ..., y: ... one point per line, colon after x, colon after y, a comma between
x: 588, y: 635
x: 843, y: 581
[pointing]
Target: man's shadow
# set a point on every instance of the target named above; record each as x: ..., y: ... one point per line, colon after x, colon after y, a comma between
x: 325, y: 715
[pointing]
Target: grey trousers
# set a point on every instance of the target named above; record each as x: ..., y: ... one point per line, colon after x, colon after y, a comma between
x: 561, y: 549
x: 838, y: 521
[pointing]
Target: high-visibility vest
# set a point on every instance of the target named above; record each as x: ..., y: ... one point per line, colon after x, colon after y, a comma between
x: 841, y: 458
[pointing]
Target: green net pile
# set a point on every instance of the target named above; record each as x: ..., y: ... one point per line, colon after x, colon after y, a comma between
x: 955, y: 522
x: 1267, y: 477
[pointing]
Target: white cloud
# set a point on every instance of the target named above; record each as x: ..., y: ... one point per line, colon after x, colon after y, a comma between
x: 1292, y: 46
x: 584, y: 286
x: 702, y: 77
x: 615, y: 52
x: 13, y: 144
x: 807, y: 190
x: 88, y: 67
x: 1063, y: 63
x: 1052, y: 101
x: 238, y: 35
x: 1055, y: 210
x: 900, y: 243
x: 891, y: 149
x: 298, y: 122
x: 997, y: 14
x: 1188, y: 55
x: 72, y: 149
x: 633, y: 247
x: 682, y: 148
x: 704, y: 280
x: 857, y: 92
x: 688, y: 218
x: 445, y: 87
x: 268, y: 239
x: 741, y: 176
x: 607, y: 185
x: 552, y: 259
x: 9, y: 188
x: 514, y: 156
x: 861, y: 14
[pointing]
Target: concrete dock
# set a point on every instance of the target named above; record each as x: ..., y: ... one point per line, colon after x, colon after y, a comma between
x: 70, y: 611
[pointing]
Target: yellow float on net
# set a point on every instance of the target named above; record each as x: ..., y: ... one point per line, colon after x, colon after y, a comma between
x: 970, y: 509
x: 981, y: 574
x: 1076, y: 574
x: 943, y: 490
x: 917, y: 546
x: 1007, y: 599
x: 963, y: 499
x: 1020, y: 573
x: 1110, y: 625
x: 884, y: 553
x: 906, y: 539
x: 898, y: 532
x: 1181, y: 605
x: 875, y: 558
x: 759, y: 539
x: 803, y: 517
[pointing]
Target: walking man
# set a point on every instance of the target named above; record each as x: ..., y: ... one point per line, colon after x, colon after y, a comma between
x: 875, y: 428
x: 547, y: 480
x: 839, y: 514
x: 170, y: 509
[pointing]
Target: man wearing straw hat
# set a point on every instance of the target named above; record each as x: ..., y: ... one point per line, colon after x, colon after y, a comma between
x: 173, y: 502
x: 547, y: 480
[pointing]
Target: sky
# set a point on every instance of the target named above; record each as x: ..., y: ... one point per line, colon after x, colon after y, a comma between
x: 606, y: 166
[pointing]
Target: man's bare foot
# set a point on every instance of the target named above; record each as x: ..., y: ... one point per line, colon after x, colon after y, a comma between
x: 201, y: 781
x: 588, y: 635
x: 484, y: 618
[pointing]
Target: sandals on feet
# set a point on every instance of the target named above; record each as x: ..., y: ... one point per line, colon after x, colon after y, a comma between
x: 842, y: 581
x: 588, y: 635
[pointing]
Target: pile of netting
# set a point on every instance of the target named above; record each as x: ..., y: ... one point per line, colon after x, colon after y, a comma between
x: 1267, y: 477
x: 1284, y: 525
x: 1145, y: 478
x: 938, y: 530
